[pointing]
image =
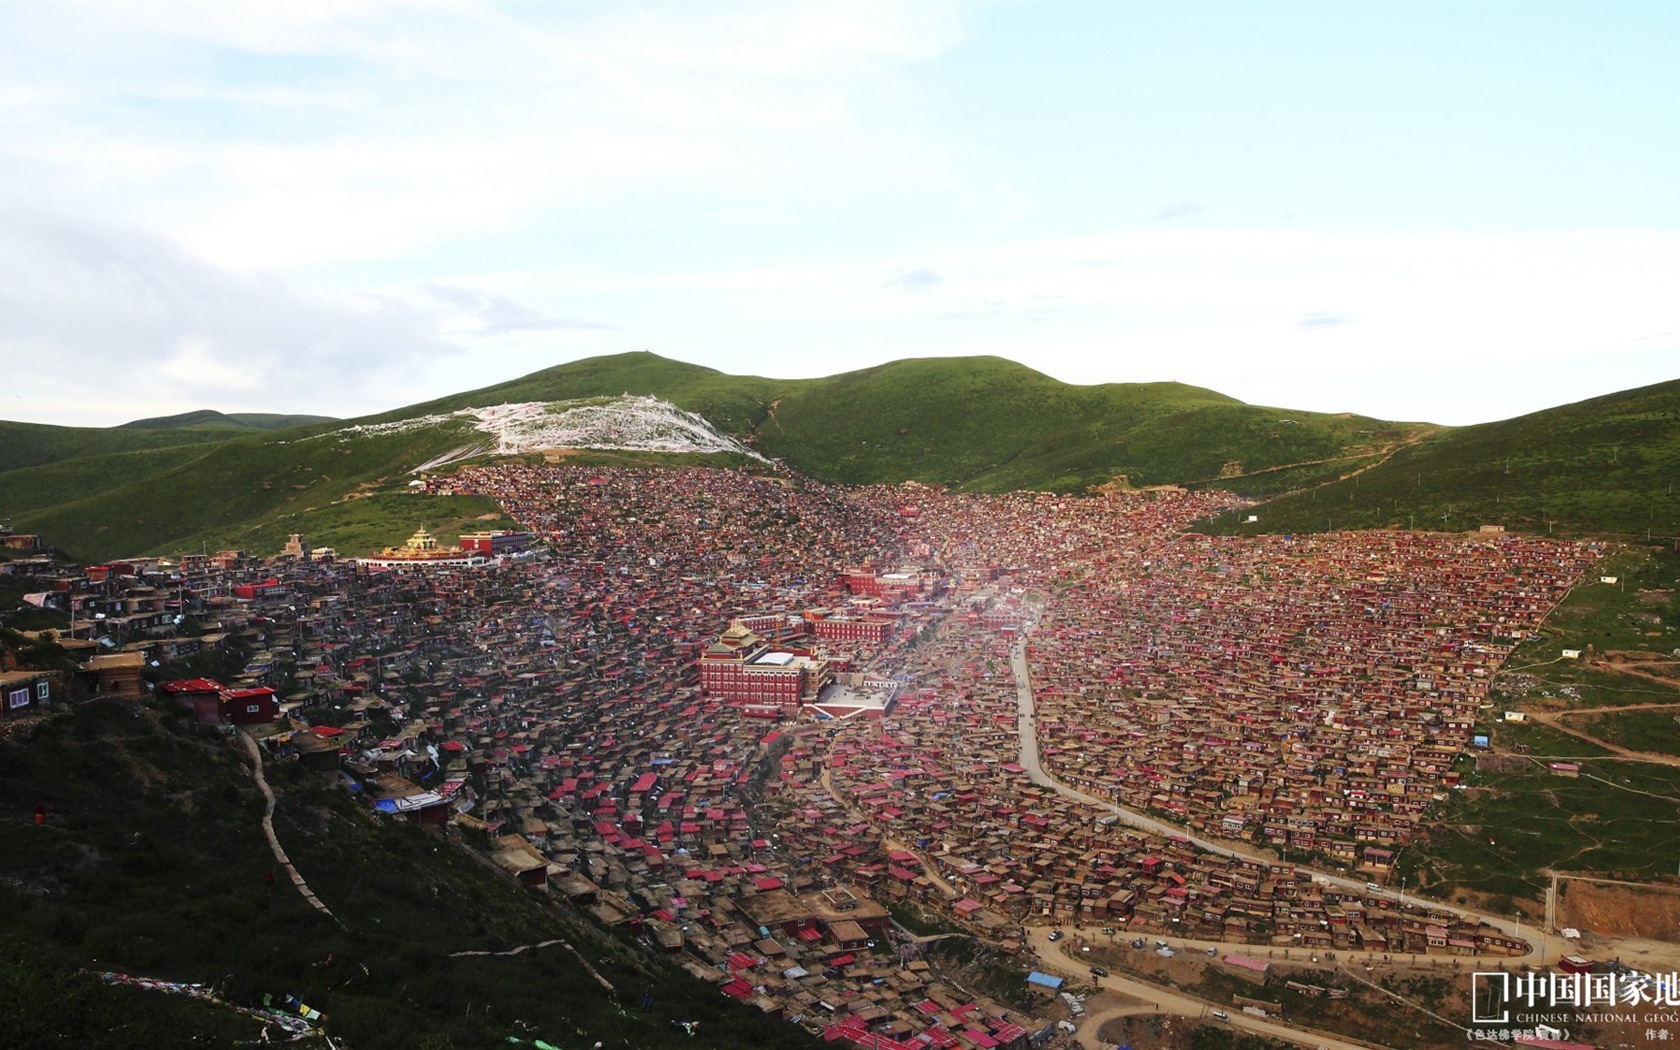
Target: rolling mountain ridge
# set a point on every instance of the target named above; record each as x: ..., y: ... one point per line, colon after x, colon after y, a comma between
x: 976, y: 424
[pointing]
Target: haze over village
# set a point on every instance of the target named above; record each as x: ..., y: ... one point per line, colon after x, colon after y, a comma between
x: 711, y: 526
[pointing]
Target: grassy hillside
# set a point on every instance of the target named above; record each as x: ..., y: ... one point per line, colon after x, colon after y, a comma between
x: 49, y: 483
x: 32, y: 444
x: 981, y: 424
x: 236, y: 421
x: 1606, y: 465
x: 249, y: 489
x: 360, y: 526
x: 734, y: 404
x: 151, y: 862
x: 238, y: 493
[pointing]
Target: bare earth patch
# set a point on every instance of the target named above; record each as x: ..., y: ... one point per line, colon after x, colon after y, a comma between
x: 1619, y: 910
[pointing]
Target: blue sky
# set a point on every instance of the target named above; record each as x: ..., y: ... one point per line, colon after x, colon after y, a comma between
x: 1450, y: 212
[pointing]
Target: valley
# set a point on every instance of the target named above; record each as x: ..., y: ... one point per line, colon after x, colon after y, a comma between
x: 795, y: 739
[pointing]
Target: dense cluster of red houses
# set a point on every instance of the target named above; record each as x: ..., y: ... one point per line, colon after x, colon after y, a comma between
x: 594, y: 714
x: 1314, y: 690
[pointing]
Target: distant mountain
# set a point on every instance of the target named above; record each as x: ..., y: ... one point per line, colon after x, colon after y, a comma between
x: 33, y: 444
x: 237, y: 420
x: 972, y: 423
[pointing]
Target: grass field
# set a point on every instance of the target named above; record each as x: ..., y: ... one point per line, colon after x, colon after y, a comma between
x: 1617, y: 818
x: 1636, y: 614
x: 365, y: 526
x: 1575, y: 685
x: 1600, y: 822
x: 1542, y: 741
x: 1655, y: 731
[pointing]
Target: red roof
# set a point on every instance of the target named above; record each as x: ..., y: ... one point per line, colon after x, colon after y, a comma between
x: 737, y: 989
x: 192, y: 685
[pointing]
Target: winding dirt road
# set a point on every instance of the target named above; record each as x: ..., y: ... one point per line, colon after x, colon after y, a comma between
x: 1030, y: 760
x: 1155, y: 999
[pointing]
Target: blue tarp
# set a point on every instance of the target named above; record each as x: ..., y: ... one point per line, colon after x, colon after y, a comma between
x: 1045, y: 979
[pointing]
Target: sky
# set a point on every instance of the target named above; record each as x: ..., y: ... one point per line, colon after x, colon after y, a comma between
x: 1421, y: 211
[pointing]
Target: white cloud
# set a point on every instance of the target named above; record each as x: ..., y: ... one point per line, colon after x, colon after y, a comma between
x: 294, y: 135
x: 341, y: 207
x: 100, y: 313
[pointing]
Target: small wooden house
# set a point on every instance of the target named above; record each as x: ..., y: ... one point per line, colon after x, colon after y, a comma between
x: 244, y: 707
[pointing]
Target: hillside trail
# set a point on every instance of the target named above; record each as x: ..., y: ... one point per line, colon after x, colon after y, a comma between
x: 1553, y: 719
x: 523, y: 948
x: 1621, y: 663
x: 280, y: 857
x: 1582, y: 711
x: 1385, y: 453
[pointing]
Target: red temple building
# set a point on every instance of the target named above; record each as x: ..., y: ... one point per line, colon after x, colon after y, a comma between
x: 743, y: 668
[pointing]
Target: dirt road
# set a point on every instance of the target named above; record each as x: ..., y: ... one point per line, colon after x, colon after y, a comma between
x: 1029, y: 759
x: 1056, y: 957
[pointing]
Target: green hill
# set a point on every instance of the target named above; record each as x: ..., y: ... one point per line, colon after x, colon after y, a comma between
x: 237, y: 421
x: 734, y: 404
x: 986, y: 424
x: 238, y: 491
x: 976, y: 423
x: 34, y: 444
x: 1601, y: 466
